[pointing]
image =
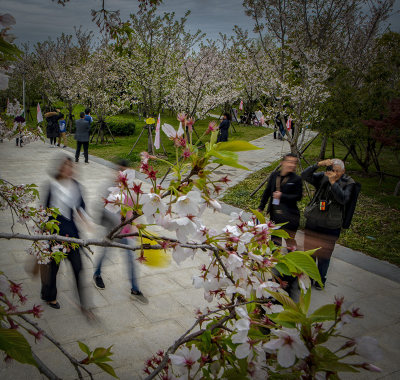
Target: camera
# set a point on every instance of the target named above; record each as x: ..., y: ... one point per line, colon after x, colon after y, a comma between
x: 329, y: 168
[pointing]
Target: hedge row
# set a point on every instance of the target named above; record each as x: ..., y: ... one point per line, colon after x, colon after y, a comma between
x: 121, y: 127
x: 118, y: 127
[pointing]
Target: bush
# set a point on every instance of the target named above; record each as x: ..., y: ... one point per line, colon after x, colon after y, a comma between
x: 121, y: 127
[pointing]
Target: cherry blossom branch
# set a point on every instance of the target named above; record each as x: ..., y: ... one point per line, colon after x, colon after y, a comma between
x: 97, y: 242
x: 187, y: 338
x: 122, y: 224
x: 46, y: 371
x: 73, y: 361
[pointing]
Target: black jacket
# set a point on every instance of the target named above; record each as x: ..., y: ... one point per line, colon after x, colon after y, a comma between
x: 341, y: 190
x: 53, y: 130
x: 292, y: 192
x: 223, y: 130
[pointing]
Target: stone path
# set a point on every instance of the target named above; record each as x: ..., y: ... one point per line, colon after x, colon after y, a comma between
x: 137, y: 330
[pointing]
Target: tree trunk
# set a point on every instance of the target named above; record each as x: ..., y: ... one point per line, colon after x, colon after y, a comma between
x: 333, y: 149
x: 323, y: 148
x: 150, y: 145
x: 397, y: 189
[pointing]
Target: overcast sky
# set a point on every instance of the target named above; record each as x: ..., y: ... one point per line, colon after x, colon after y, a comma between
x: 39, y: 19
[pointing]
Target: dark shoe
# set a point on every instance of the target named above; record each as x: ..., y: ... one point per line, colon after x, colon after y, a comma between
x: 98, y: 282
x: 86, y: 162
x: 138, y: 295
x: 58, y: 145
x: 55, y: 305
x: 76, y: 160
x: 64, y: 146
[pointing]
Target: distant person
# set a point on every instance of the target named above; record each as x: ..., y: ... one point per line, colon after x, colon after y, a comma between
x: 65, y: 194
x: 330, y: 209
x: 284, y: 189
x: 82, y: 137
x: 110, y: 221
x: 224, y: 127
x: 88, y: 117
x: 53, y: 130
x: 63, y: 132
x: 20, y: 120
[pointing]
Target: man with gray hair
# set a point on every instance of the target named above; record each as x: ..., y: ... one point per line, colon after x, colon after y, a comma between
x: 326, y: 213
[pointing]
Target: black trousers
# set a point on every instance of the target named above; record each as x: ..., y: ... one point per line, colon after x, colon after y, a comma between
x: 324, y: 239
x: 48, y: 274
x: 85, y: 150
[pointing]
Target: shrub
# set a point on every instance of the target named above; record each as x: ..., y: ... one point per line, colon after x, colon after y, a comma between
x: 121, y: 127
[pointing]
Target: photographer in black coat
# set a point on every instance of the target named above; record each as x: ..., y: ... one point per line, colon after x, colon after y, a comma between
x: 325, y: 214
x: 224, y: 127
x: 284, y: 189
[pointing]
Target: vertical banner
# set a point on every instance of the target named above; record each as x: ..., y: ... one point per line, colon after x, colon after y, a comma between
x: 289, y: 124
x: 39, y: 114
x: 157, y: 137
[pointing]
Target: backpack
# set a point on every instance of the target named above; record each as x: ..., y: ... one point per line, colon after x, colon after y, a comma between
x: 351, y: 205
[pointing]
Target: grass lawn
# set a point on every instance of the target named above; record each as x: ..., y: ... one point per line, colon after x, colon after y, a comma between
x: 375, y: 227
x: 123, y: 145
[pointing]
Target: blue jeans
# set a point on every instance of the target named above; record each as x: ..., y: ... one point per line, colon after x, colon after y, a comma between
x: 130, y: 261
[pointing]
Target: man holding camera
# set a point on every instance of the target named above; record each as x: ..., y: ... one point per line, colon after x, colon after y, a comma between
x: 328, y: 211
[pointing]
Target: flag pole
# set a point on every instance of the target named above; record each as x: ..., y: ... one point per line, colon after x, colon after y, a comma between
x: 23, y: 93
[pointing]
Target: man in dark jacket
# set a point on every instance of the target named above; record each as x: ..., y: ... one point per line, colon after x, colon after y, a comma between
x: 284, y: 189
x: 325, y: 213
x: 82, y: 137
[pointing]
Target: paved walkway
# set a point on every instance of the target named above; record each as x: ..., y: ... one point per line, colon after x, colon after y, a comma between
x: 137, y: 331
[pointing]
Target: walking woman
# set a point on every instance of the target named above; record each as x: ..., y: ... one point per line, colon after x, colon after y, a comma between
x: 53, y: 130
x: 64, y: 194
x: 224, y: 127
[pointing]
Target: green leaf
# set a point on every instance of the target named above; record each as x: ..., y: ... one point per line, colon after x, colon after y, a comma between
x: 100, y: 352
x: 236, y: 146
x: 206, y: 339
x: 213, y: 138
x: 305, y: 300
x: 286, y: 301
x: 305, y: 263
x: 258, y: 215
x: 255, y: 334
x: 282, y: 268
x: 14, y: 344
x: 107, y: 368
x: 229, y: 162
x: 280, y: 233
x: 84, y: 348
x: 251, y: 306
x: 289, y: 316
x: 324, y: 313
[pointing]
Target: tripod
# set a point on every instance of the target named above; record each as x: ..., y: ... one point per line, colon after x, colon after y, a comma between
x: 150, y: 144
x: 99, y: 132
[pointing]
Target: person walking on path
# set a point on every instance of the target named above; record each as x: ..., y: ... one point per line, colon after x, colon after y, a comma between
x: 111, y: 220
x: 82, y: 137
x: 325, y: 215
x: 284, y: 189
x: 53, y: 130
x: 224, y: 127
x: 64, y: 193
x: 63, y: 132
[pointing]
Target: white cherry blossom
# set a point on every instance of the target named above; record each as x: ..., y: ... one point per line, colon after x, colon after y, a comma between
x: 151, y: 203
x: 289, y: 346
